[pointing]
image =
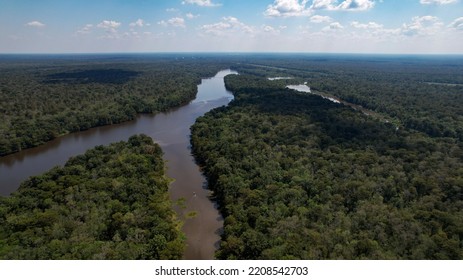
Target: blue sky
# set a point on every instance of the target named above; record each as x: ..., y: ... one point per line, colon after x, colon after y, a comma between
x: 342, y: 26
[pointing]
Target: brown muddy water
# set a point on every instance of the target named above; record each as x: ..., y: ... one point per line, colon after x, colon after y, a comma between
x: 171, y: 130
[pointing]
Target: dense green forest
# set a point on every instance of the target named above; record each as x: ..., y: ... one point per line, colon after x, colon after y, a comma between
x: 44, y: 97
x: 298, y: 176
x: 424, y: 93
x: 110, y: 203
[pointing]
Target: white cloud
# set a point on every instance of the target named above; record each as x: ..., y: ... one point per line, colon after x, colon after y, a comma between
x: 175, y: 22
x: 288, y: 8
x: 369, y: 25
x: 203, y: 3
x: 228, y: 25
x: 333, y: 27
x: 356, y: 5
x: 109, y: 24
x: 336, y: 25
x: 425, y: 25
x: 191, y: 16
x: 293, y: 8
x: 437, y: 2
x: 457, y: 24
x: 216, y: 28
x: 86, y: 29
x: 172, y: 10
x: 110, y: 27
x: 320, y: 19
x: 375, y: 31
x: 267, y: 29
x: 322, y: 4
x: 347, y: 5
x: 139, y: 23
x: 35, y: 23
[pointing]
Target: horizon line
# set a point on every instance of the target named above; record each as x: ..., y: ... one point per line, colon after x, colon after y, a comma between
x: 226, y: 53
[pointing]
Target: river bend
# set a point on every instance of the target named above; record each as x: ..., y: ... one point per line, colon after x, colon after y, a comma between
x: 171, y: 130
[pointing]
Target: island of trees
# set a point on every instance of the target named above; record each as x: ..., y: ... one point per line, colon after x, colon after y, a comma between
x: 109, y: 203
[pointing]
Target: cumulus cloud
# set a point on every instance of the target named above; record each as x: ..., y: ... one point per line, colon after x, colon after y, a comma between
x: 356, y: 5
x: 320, y: 19
x: 288, y: 8
x: 228, y: 25
x: 457, y: 24
x: 191, y: 16
x: 322, y: 4
x: 336, y: 25
x: 369, y: 25
x: 86, y: 29
x: 425, y: 25
x: 175, y: 22
x: 333, y: 27
x: 203, y: 3
x: 35, y: 23
x: 294, y: 8
x: 109, y: 24
x: 110, y: 27
x: 347, y: 5
x: 374, y: 30
x: 138, y: 23
x: 437, y: 2
x: 267, y: 29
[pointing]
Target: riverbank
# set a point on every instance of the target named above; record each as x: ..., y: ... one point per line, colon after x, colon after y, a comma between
x: 300, y: 177
x: 171, y: 130
x: 110, y: 203
x: 44, y: 98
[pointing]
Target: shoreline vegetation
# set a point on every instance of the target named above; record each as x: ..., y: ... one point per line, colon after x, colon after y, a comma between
x: 44, y: 99
x: 110, y: 203
x: 47, y: 96
x: 300, y: 177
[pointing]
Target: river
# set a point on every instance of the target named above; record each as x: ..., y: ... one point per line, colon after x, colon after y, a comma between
x: 171, y: 130
x: 334, y: 99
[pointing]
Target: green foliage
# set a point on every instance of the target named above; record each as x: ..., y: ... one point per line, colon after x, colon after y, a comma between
x: 110, y: 203
x: 102, y: 76
x: 423, y: 93
x: 42, y: 99
x: 298, y: 176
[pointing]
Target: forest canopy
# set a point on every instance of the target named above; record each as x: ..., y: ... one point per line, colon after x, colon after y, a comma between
x: 296, y: 176
x: 44, y: 97
x: 103, y: 76
x: 300, y: 177
x: 110, y: 203
x: 423, y: 93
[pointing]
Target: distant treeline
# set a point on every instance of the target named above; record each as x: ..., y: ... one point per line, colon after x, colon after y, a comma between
x: 110, y: 203
x: 300, y: 177
x: 42, y: 99
x: 424, y: 93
